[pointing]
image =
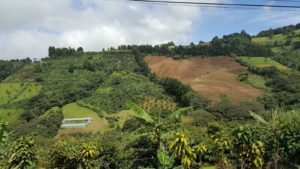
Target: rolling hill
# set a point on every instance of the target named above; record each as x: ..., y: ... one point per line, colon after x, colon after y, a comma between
x: 211, y: 102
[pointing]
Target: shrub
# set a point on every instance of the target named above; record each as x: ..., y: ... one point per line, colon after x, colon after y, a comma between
x: 226, y: 110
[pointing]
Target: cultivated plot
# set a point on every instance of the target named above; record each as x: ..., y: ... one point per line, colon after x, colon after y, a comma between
x: 209, y: 76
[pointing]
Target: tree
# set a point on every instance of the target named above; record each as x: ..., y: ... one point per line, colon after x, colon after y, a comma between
x: 159, y: 124
x: 71, y: 68
x: 89, y: 66
x: 175, y: 88
x: 51, y: 51
x: 223, y: 143
x: 80, y: 50
x: 284, y: 142
x: 249, y: 146
x: 69, y: 154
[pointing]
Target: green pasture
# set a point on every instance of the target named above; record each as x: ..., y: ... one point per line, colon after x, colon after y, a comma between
x: 72, y: 110
x: 261, y: 62
x: 257, y: 82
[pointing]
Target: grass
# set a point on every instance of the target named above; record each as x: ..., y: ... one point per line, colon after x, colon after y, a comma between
x: 257, y: 82
x: 10, y: 115
x: 279, y: 39
x: 72, y: 110
x: 261, y: 62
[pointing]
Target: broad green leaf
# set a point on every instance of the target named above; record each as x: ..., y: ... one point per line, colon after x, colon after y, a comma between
x: 177, y: 114
x: 139, y: 112
x: 258, y: 118
x: 164, y: 159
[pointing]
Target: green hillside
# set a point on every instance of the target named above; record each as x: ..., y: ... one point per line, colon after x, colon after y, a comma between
x: 140, y: 120
x: 261, y: 62
x: 285, y: 46
x: 12, y: 94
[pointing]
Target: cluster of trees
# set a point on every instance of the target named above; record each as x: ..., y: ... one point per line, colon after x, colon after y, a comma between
x: 281, y: 30
x: 64, y: 52
x: 284, y: 86
x: 230, y: 111
x: 236, y: 43
x: 9, y: 67
x: 183, y: 94
x: 158, y: 143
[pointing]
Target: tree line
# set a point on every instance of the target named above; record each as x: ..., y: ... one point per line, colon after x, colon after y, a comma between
x: 64, y: 52
x: 232, y: 44
x: 281, y: 30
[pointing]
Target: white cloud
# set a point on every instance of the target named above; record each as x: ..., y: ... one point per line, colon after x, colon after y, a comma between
x: 29, y: 27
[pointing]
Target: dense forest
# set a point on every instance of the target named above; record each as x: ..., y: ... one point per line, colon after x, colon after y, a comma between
x: 144, y: 120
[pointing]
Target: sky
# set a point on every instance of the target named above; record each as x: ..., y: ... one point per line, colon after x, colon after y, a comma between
x: 28, y: 28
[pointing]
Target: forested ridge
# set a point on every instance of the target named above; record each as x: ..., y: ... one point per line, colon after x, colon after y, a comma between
x: 147, y: 121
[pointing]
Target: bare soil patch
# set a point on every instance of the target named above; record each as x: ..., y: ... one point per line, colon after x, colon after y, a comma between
x: 209, y: 76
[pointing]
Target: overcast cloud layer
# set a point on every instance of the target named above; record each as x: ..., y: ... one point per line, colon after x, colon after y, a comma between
x: 28, y: 28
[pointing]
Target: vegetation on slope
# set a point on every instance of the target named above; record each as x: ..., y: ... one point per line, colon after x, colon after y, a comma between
x: 284, y: 42
x: 222, y: 134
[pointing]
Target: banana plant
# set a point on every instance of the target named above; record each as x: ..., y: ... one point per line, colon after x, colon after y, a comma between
x: 166, y: 162
x: 158, y: 124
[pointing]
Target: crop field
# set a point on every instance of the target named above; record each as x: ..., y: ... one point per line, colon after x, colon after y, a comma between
x: 72, y: 110
x: 8, y: 91
x: 12, y: 92
x: 10, y: 115
x: 29, y: 90
x: 279, y: 39
x: 267, y: 40
x: 261, y: 62
x: 209, y: 76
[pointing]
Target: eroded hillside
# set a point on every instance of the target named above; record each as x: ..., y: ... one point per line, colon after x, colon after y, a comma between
x: 210, y: 76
